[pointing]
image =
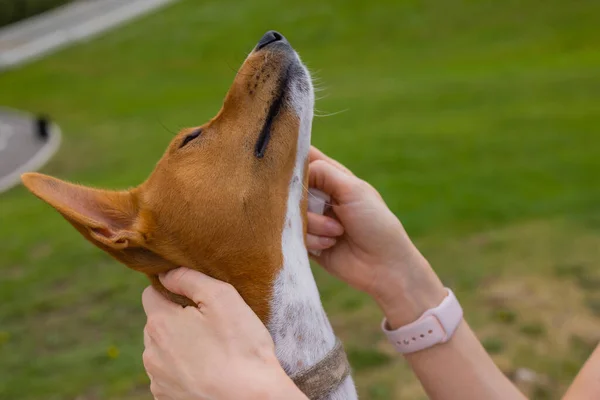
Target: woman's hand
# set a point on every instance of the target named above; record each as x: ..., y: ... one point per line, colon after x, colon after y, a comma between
x: 374, y: 254
x: 219, y: 350
x: 369, y: 248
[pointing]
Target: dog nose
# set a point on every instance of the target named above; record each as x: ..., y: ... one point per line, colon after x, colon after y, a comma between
x: 268, y: 38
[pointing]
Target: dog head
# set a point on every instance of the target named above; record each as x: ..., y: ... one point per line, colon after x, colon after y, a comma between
x: 217, y: 199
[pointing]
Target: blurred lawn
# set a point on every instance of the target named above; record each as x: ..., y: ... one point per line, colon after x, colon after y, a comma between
x: 478, y: 122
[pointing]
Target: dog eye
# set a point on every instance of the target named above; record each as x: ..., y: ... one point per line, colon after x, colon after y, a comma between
x: 191, y: 137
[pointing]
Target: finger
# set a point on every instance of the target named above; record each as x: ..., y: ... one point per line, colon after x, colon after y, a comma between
x: 155, y: 302
x: 318, y: 201
x: 192, y: 284
x: 322, y: 225
x: 316, y: 154
x: 314, y: 242
x: 319, y: 256
x: 331, y: 180
x: 147, y: 340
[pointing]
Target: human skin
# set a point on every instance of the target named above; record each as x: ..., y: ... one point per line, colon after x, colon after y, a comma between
x: 362, y: 243
x: 218, y: 350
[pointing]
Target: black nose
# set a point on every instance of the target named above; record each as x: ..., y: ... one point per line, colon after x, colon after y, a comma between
x: 268, y: 38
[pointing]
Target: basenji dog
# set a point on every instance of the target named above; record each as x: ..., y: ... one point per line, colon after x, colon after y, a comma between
x: 229, y: 198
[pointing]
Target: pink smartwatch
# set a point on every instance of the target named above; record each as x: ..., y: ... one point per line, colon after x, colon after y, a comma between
x: 436, y: 325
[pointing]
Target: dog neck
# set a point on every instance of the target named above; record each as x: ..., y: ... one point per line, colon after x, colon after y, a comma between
x: 301, y: 331
x: 299, y: 326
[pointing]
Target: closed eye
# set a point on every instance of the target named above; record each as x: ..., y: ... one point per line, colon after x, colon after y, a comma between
x: 190, y: 137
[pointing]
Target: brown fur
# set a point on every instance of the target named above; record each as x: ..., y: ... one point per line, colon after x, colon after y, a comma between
x: 211, y: 205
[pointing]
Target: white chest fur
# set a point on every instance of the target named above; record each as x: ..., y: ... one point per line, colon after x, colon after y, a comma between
x: 299, y: 326
x: 298, y: 323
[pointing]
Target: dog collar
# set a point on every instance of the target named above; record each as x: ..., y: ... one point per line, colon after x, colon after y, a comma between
x: 325, y: 376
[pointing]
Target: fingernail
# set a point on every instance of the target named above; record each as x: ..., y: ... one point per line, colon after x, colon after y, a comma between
x: 162, y: 275
x: 316, y: 253
x: 326, y: 241
x: 334, y: 227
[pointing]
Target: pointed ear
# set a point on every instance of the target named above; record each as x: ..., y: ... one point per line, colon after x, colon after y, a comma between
x: 106, y: 218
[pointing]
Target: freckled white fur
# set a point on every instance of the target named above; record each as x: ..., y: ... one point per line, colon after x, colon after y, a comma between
x: 298, y: 323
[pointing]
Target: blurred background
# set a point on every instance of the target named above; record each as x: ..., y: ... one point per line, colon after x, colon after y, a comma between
x: 478, y: 121
x: 12, y: 11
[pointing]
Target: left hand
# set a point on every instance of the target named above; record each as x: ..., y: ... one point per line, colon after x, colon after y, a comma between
x: 218, y: 350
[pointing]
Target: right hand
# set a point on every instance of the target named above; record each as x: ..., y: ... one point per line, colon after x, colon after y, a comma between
x: 216, y: 350
x: 371, y: 251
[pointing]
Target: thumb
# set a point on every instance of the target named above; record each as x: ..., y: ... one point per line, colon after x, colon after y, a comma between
x: 343, y: 188
x: 194, y: 285
x: 316, y: 154
x: 155, y: 303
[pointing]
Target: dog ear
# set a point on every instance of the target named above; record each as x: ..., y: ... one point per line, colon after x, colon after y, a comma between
x: 111, y: 220
x: 106, y: 218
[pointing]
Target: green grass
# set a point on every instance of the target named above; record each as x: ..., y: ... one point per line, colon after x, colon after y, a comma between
x: 477, y: 121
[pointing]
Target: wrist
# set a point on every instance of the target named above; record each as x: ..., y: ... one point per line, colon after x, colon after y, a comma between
x: 282, y: 387
x: 404, y: 295
x: 273, y: 383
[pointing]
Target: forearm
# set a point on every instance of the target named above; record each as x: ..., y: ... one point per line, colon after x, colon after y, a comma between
x: 587, y: 383
x: 459, y: 369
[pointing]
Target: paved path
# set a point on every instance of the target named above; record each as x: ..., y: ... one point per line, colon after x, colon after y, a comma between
x: 22, y: 148
x: 39, y: 35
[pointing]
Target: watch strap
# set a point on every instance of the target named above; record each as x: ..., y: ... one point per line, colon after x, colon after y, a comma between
x: 436, y: 325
